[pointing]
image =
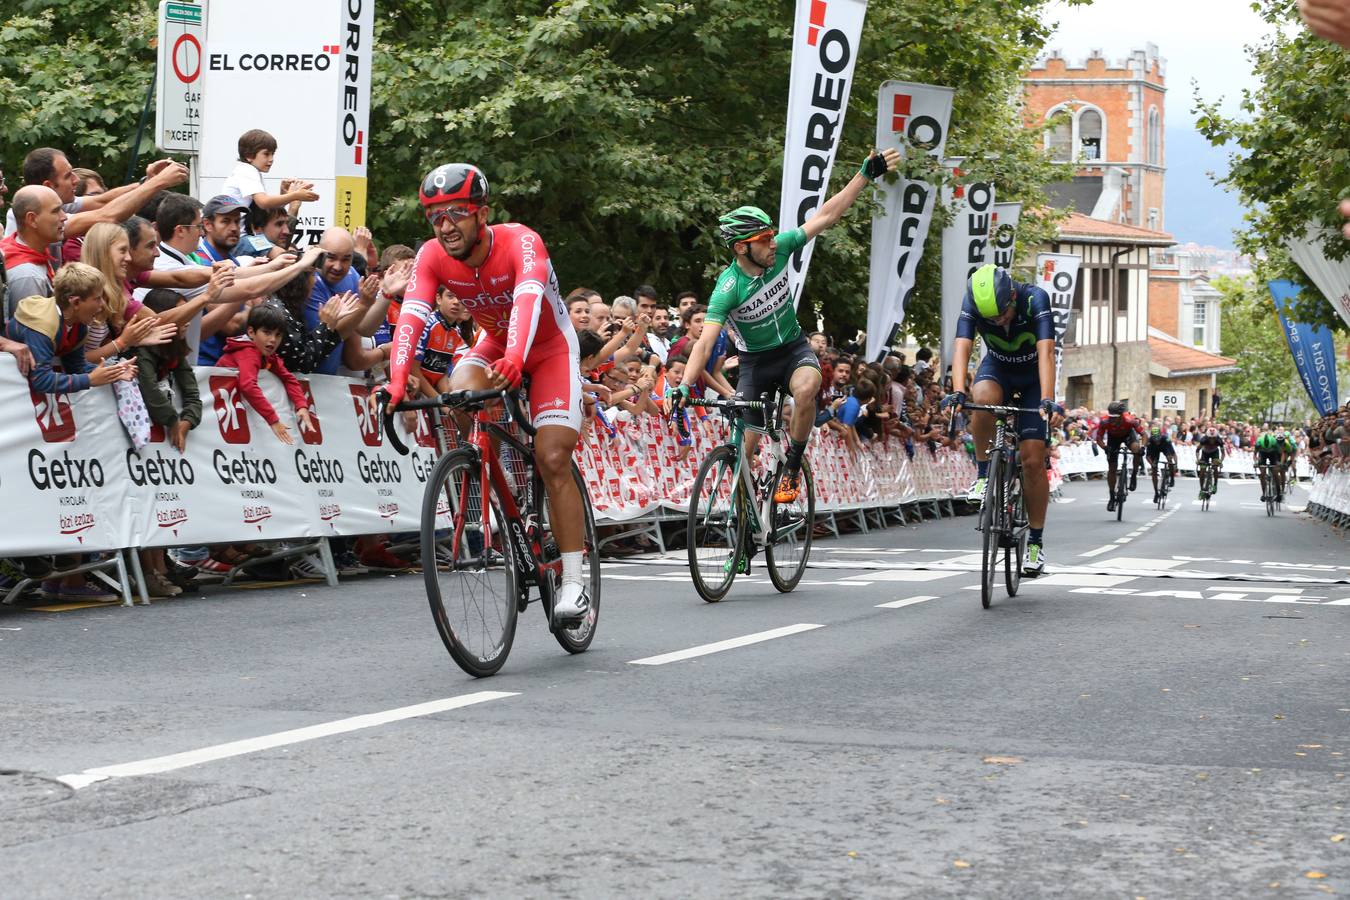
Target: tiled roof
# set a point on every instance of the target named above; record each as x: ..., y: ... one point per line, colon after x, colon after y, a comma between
x: 1178, y: 359
x: 1085, y: 228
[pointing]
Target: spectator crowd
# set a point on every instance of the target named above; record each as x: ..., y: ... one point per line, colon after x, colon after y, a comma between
x: 133, y: 285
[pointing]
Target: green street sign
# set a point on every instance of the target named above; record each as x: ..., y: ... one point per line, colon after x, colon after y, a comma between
x: 187, y: 13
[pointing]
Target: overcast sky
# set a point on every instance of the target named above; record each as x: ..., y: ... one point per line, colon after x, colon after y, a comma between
x: 1201, y: 41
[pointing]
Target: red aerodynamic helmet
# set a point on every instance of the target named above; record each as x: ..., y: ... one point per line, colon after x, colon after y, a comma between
x: 454, y: 181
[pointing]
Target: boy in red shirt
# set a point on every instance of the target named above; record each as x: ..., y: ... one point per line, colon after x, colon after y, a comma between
x: 257, y: 350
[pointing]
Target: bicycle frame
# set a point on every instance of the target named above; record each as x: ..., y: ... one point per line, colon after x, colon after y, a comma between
x: 745, y: 482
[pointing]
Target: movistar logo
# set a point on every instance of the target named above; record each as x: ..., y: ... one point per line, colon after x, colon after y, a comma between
x: 1013, y: 345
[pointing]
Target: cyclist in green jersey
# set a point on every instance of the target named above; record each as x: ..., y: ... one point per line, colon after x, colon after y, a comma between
x: 1272, y: 450
x: 753, y: 300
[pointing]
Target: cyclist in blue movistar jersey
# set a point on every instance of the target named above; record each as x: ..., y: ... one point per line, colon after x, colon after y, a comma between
x: 1018, y: 329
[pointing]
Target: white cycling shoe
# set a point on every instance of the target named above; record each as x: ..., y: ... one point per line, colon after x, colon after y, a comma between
x: 571, y: 602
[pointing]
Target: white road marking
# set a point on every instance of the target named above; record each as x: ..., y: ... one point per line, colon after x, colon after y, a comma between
x: 1263, y: 590
x: 1139, y: 562
x: 719, y: 646
x: 1068, y: 500
x: 1104, y: 548
x: 1123, y: 540
x: 174, y: 761
x: 905, y: 575
x: 1073, y: 580
x: 908, y: 601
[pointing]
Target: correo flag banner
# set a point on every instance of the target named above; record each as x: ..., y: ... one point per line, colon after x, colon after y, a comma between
x: 908, y: 116
x: 1331, y: 277
x: 1313, y: 349
x: 824, y: 49
x: 1003, y: 233
x: 1057, y: 273
x: 965, y: 247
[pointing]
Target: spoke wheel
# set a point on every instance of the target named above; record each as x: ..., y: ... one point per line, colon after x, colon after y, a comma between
x: 469, y: 565
x: 788, y: 547
x: 577, y: 638
x: 1014, y: 555
x: 715, y: 529
x: 992, y: 526
x: 1121, y: 493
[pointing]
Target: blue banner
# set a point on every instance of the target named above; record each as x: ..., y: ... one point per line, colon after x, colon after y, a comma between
x: 1313, y: 350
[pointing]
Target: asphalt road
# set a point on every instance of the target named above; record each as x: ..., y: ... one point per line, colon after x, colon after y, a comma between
x: 1165, y: 714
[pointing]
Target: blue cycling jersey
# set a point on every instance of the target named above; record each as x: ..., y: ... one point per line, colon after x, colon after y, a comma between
x: 1015, y: 345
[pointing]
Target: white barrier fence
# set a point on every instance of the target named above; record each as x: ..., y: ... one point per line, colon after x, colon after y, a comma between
x: 1329, y: 497
x: 1087, y: 459
x: 73, y: 482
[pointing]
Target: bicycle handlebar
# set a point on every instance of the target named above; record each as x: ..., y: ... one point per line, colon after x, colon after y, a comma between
x: 453, y: 400
x: 998, y: 410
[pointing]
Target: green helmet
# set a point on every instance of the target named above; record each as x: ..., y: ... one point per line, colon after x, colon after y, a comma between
x: 1266, y: 442
x: 741, y: 223
x: 991, y: 289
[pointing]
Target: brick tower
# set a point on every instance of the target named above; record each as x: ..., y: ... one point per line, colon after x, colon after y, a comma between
x: 1114, y: 132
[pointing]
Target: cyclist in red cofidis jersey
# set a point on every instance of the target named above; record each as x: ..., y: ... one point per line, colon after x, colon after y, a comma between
x: 1119, y: 427
x: 503, y: 276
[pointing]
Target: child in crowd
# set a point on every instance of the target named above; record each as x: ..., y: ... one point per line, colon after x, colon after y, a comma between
x: 257, y: 148
x: 257, y: 350
x: 55, y: 328
x: 156, y: 365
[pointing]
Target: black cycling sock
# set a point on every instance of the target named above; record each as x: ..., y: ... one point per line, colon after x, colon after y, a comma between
x: 1035, y: 537
x: 794, y: 454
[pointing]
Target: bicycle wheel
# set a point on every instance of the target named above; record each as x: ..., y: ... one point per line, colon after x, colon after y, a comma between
x: 469, y: 566
x: 577, y: 638
x: 1122, y: 480
x: 992, y: 525
x: 787, y: 547
x: 715, y: 529
x: 1016, y: 551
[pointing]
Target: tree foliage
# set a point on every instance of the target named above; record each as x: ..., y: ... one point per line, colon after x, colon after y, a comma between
x: 1290, y: 159
x: 619, y: 129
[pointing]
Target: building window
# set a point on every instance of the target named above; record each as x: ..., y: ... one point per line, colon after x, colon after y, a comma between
x: 1122, y: 291
x: 1153, y: 218
x: 1199, y: 315
x: 1154, y: 137
x: 1059, y: 139
x: 1090, y: 135
x: 1099, y: 291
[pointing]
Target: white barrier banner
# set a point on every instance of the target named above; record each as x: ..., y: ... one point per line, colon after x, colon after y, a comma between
x: 824, y: 49
x: 1331, y: 277
x: 908, y: 115
x: 965, y: 247
x: 1057, y: 273
x: 1003, y: 233
x: 70, y: 468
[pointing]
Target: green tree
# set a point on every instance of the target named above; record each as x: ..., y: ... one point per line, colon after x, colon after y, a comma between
x: 73, y: 75
x: 1291, y: 147
x: 1267, y: 385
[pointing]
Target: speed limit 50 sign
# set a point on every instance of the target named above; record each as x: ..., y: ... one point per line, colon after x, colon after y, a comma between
x: 1169, y: 400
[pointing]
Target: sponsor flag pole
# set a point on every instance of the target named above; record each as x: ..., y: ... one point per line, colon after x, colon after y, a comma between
x: 1313, y: 349
x: 909, y: 117
x: 965, y: 247
x: 1057, y: 274
x: 825, y: 38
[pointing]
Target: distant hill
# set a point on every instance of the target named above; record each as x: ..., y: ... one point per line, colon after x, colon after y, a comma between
x: 1197, y: 210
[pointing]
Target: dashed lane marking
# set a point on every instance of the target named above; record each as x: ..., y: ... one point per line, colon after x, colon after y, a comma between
x: 160, y: 764
x: 719, y: 646
x: 908, y: 601
x: 1104, y: 548
x: 1075, y: 580
x: 904, y: 575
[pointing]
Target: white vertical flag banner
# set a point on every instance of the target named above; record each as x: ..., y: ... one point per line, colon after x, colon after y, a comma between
x: 316, y: 52
x: 965, y: 247
x: 824, y: 48
x: 1003, y: 233
x: 1329, y: 276
x: 1057, y: 273
x: 908, y: 116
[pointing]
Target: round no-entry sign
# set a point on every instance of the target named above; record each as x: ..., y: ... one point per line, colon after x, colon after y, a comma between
x: 187, y: 58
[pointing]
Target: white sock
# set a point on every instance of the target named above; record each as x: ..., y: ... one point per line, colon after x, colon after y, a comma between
x: 571, y: 565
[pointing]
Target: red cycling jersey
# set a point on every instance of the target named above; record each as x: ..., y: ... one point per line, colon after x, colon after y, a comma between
x: 1119, y: 428
x: 514, y: 297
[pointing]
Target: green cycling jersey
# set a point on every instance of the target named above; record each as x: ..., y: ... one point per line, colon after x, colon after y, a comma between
x: 759, y: 310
